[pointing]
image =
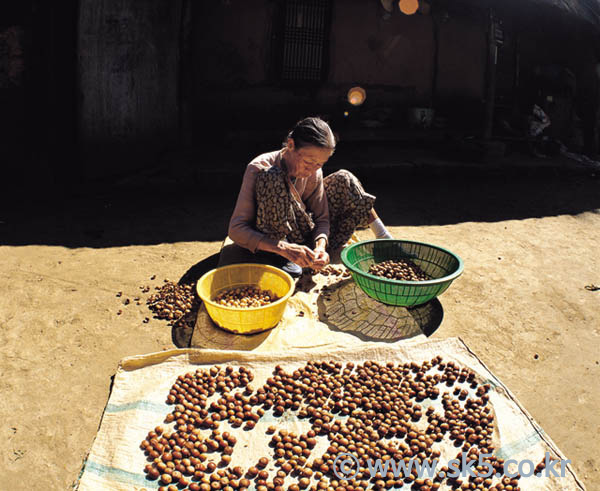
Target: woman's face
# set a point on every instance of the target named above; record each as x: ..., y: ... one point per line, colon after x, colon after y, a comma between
x: 306, y: 161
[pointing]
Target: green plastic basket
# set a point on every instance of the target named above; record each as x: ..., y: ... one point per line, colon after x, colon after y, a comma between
x: 440, y: 264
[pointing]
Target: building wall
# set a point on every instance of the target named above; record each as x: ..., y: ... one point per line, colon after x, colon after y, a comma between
x: 151, y: 71
x: 393, y: 59
x: 229, y: 58
x: 145, y: 81
x: 128, y: 70
x: 558, y: 72
x: 367, y: 50
x: 462, y: 61
x: 37, y: 96
x: 230, y: 42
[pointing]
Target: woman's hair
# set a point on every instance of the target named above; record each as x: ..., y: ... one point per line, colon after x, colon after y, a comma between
x: 312, y: 132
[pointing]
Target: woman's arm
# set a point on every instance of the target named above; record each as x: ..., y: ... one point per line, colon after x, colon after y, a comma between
x: 241, y: 229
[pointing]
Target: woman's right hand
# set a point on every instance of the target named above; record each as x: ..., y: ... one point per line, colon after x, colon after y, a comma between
x: 301, y: 255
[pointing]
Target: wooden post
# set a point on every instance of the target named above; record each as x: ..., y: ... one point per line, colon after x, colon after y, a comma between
x: 436, y: 56
x: 490, y: 89
x: 128, y: 82
x: 186, y: 79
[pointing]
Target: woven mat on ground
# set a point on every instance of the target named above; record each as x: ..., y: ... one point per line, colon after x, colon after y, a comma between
x: 137, y: 405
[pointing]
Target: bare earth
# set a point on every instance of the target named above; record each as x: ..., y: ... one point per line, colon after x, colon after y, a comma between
x: 530, y: 246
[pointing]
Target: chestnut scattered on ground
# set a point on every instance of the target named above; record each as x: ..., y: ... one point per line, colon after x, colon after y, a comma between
x: 333, y: 270
x: 174, y: 302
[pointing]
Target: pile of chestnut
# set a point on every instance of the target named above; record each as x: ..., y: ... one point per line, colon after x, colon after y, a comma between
x: 245, y: 297
x: 398, y: 270
x: 175, y: 303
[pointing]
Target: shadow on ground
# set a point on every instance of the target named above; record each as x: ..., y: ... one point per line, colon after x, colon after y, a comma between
x: 181, y: 334
x: 197, y: 207
x: 345, y: 307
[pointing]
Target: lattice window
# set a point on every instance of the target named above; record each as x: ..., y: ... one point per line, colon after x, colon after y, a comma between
x: 305, y: 39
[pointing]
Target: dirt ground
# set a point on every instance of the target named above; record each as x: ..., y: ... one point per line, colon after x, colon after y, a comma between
x: 529, y: 241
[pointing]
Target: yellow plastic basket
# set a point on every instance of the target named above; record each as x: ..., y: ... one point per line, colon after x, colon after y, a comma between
x: 245, y: 320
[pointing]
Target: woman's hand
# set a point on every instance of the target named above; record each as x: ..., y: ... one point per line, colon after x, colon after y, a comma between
x: 321, y: 259
x: 301, y: 255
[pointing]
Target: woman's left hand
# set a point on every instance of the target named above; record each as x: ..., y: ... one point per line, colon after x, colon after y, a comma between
x: 321, y: 259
